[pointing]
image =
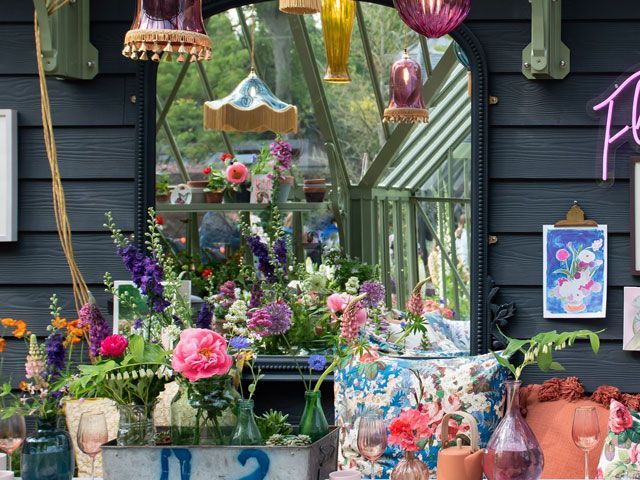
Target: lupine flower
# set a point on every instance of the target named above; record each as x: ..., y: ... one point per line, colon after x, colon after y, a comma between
x: 415, y: 304
x: 91, y: 318
x: 280, y: 315
x: 56, y: 355
x: 35, y: 364
x: 204, y: 316
x: 240, y: 343
x: 375, y: 293
x: 317, y: 362
x: 353, y: 318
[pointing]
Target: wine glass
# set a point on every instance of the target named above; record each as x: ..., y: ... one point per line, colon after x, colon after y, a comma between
x: 12, y: 433
x: 372, y: 438
x: 586, y: 432
x: 92, y: 433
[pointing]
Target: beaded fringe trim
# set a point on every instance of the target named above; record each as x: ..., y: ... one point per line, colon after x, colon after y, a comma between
x: 406, y: 115
x: 158, y: 44
x: 261, y: 119
x: 300, y: 7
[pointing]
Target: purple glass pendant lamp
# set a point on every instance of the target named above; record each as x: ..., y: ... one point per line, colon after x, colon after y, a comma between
x: 165, y: 27
x: 432, y: 18
x: 405, y: 97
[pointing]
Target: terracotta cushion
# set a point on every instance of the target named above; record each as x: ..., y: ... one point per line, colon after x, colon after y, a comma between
x: 551, y: 422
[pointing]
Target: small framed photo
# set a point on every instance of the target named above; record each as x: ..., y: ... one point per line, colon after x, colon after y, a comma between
x: 8, y: 175
x: 575, y: 272
x: 124, y: 315
x: 631, y: 332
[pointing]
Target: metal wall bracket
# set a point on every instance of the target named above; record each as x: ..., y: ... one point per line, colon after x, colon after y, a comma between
x: 64, y: 40
x: 546, y: 57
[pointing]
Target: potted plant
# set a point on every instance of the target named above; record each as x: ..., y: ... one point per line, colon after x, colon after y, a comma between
x: 163, y: 190
x: 315, y: 189
x: 216, y: 185
x: 271, y: 174
x: 237, y: 175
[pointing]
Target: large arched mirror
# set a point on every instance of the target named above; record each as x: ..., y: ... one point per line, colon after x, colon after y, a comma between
x: 408, y: 200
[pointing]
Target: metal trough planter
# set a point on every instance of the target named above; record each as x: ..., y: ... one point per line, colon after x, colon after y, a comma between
x: 211, y: 462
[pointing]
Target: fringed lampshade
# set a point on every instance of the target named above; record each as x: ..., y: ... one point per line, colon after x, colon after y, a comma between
x: 162, y: 28
x: 300, y: 7
x: 405, y: 86
x: 433, y: 18
x: 337, y: 24
x: 251, y: 107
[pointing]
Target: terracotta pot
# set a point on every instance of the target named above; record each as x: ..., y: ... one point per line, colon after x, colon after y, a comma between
x: 163, y: 198
x: 198, y: 183
x: 315, y: 194
x: 314, y: 181
x: 214, y: 197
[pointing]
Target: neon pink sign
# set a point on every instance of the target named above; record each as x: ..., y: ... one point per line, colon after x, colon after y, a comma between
x: 611, y: 137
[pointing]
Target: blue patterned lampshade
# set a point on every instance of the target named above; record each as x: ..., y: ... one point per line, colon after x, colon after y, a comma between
x: 251, y: 107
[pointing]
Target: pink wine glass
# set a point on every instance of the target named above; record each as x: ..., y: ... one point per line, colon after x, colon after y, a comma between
x: 586, y: 432
x: 372, y: 438
x: 92, y: 434
x: 12, y: 434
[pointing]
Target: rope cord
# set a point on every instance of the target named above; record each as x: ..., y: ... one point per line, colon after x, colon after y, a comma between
x: 80, y: 290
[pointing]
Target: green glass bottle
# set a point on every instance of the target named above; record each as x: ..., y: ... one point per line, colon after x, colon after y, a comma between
x: 246, y: 431
x: 313, y: 422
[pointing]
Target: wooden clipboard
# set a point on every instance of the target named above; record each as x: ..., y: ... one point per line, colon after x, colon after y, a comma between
x: 575, y: 218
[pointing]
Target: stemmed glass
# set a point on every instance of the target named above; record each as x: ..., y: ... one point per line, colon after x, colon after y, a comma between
x: 92, y: 433
x: 586, y: 432
x: 372, y: 438
x: 12, y: 434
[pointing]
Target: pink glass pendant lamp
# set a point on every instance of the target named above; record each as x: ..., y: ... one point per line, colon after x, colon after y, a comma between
x: 405, y: 87
x: 433, y: 18
x: 162, y: 28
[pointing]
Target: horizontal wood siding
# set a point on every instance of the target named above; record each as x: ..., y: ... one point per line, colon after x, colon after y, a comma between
x: 95, y: 131
x: 543, y: 152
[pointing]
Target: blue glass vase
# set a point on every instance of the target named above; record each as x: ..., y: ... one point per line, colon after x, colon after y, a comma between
x: 47, y: 454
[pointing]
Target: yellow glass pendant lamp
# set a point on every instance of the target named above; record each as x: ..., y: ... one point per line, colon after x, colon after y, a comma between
x: 337, y: 25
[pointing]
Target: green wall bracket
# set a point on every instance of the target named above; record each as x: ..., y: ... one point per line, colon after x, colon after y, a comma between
x: 64, y: 40
x: 546, y: 57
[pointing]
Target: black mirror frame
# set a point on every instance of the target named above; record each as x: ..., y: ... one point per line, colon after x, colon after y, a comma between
x: 489, y: 317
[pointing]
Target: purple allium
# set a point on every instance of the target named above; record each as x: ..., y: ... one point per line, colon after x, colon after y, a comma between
x: 260, y: 322
x: 283, y: 152
x: 146, y: 274
x: 280, y: 252
x: 375, y: 293
x: 204, y: 317
x: 317, y: 362
x: 91, y: 317
x: 240, y: 343
x: 261, y: 253
x: 256, y: 296
x: 56, y: 355
x: 280, y: 315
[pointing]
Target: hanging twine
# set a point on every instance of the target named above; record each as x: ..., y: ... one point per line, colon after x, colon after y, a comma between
x: 80, y: 290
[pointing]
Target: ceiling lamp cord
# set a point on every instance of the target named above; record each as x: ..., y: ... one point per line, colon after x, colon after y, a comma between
x: 80, y: 290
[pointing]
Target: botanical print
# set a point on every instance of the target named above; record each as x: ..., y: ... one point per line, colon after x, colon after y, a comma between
x: 621, y: 453
x: 575, y: 272
x: 389, y: 385
x: 261, y: 189
x: 631, y: 319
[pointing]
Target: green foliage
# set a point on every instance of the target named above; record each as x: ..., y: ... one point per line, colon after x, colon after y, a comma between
x: 347, y: 267
x: 217, y: 181
x: 272, y: 423
x: 162, y: 183
x: 539, y: 349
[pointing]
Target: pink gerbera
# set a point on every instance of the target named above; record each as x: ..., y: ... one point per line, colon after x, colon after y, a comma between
x: 237, y: 173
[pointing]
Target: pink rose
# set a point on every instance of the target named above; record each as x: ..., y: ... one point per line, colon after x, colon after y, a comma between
x: 562, y: 255
x: 619, y: 417
x: 237, y: 173
x: 113, y: 346
x: 337, y: 302
x: 201, y: 353
x: 634, y: 453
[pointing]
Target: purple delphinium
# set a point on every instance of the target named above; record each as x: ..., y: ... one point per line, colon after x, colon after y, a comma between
x: 256, y: 296
x: 227, y: 293
x: 261, y: 252
x: 137, y: 324
x: 260, y: 322
x: 146, y: 274
x: 240, y: 343
x: 56, y: 355
x: 90, y: 316
x: 204, y: 317
x: 280, y: 315
x: 280, y: 252
x: 375, y: 293
x: 317, y: 362
x: 283, y: 152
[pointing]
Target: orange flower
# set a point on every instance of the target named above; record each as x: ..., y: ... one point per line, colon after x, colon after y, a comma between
x: 75, y: 333
x: 59, y: 323
x: 8, y: 322
x: 20, y: 329
x: 3, y: 343
x: 23, y: 386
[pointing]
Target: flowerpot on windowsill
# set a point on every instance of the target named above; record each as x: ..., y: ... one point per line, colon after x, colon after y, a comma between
x: 213, y: 196
x: 198, y: 183
x: 286, y: 183
x: 163, y: 198
x: 315, y: 194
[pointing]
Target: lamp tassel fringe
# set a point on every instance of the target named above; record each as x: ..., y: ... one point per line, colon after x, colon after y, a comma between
x: 161, y: 44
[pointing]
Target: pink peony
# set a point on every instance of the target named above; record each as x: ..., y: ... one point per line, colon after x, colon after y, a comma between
x: 201, y: 353
x: 113, y: 346
x: 562, y: 255
x: 619, y: 417
x: 237, y: 173
x: 337, y: 302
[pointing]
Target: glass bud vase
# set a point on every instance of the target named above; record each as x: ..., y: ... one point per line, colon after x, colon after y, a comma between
x: 410, y: 468
x: 313, y: 422
x: 246, y: 432
x: 48, y: 452
x: 513, y: 452
x: 136, y: 426
x: 184, y: 420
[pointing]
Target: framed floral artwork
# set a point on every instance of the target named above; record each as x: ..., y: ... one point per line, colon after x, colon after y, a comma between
x: 631, y: 331
x: 575, y: 272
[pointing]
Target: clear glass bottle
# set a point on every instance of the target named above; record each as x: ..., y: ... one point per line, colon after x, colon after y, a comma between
x: 136, y: 426
x: 184, y: 420
x: 313, y: 422
x: 246, y: 432
x: 513, y: 452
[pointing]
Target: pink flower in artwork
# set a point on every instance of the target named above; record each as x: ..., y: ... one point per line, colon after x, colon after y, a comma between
x: 620, y: 417
x: 562, y: 255
x: 237, y: 173
x: 201, y: 353
x: 634, y: 453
